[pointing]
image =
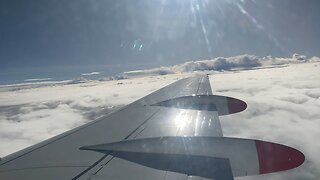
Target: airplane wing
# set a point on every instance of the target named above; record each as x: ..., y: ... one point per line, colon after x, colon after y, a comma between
x: 173, y: 133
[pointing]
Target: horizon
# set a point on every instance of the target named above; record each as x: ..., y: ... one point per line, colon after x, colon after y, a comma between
x: 244, y: 61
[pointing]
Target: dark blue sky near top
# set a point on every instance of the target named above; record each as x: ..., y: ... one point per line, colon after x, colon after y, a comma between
x: 119, y: 35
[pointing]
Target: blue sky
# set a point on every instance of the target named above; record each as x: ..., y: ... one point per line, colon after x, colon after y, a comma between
x: 39, y: 38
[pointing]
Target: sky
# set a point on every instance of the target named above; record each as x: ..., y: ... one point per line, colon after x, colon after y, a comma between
x: 282, y: 94
x: 63, y: 39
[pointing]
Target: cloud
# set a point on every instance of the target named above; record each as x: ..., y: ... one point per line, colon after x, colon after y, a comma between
x: 299, y: 57
x: 39, y: 79
x: 90, y: 74
x: 33, y: 113
x: 220, y: 63
x: 149, y: 72
x: 241, y: 62
x: 33, y: 123
x: 77, y: 80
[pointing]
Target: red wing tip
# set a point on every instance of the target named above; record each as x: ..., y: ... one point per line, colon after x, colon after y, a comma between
x: 276, y: 157
x: 236, y: 105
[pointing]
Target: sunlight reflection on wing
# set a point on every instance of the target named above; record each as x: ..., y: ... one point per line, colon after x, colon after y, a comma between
x: 181, y: 119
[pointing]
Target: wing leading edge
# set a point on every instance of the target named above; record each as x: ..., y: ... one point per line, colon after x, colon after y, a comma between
x: 173, y: 133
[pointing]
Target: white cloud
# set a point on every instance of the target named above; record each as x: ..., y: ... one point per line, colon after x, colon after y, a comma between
x: 90, y: 74
x: 34, y: 123
x: 223, y: 64
x: 30, y: 114
x: 39, y: 79
x: 220, y: 63
x: 150, y: 72
x: 240, y: 62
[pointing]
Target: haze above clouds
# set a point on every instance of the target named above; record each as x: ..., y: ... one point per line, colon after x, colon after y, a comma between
x: 283, y: 97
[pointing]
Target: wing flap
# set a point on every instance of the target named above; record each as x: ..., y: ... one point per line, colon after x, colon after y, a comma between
x: 205, y: 156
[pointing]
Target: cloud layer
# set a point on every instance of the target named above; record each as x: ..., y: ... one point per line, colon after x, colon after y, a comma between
x: 224, y: 64
x: 30, y: 113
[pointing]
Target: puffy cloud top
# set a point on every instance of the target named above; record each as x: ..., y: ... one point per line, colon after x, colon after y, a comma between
x: 221, y: 63
x: 224, y: 64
